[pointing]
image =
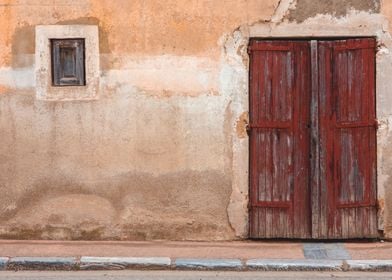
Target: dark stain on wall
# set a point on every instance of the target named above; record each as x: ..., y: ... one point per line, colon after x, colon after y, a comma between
x: 23, y: 41
x: 104, y: 46
x: 309, y: 8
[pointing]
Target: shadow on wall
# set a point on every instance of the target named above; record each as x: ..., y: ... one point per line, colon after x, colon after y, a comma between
x: 23, y: 41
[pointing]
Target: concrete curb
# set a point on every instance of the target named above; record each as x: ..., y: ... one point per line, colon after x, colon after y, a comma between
x: 3, y: 263
x: 208, y: 264
x: 370, y: 265
x: 166, y: 263
x: 295, y: 265
x: 42, y: 263
x: 104, y: 263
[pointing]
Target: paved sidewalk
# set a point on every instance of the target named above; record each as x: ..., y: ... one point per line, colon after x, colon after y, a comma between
x: 238, y: 255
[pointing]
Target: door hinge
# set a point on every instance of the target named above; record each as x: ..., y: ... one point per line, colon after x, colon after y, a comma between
x: 249, y: 50
x: 248, y: 128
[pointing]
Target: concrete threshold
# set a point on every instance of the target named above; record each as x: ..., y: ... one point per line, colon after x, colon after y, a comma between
x: 166, y: 263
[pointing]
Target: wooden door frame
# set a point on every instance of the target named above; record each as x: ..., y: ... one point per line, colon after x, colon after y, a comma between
x: 314, y: 182
x: 314, y: 117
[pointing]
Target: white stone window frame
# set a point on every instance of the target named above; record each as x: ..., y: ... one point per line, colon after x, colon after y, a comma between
x: 43, y: 72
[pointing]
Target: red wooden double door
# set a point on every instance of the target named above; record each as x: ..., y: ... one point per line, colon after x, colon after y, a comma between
x: 313, y: 139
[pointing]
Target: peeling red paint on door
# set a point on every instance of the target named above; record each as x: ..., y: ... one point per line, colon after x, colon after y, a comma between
x: 312, y: 139
x: 279, y: 142
x: 347, y: 139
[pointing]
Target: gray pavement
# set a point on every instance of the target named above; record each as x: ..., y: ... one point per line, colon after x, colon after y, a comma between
x: 166, y: 263
x: 190, y: 275
x: 207, y: 256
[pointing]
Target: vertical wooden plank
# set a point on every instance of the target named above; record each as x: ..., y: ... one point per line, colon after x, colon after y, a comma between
x: 270, y: 74
x: 361, y: 226
x: 259, y: 108
x: 261, y: 166
x: 301, y: 100
x: 314, y: 144
x: 269, y: 228
x: 325, y: 137
x: 352, y: 224
x: 253, y: 79
x: 371, y: 194
x: 367, y: 115
x: 269, y: 165
x: 344, y: 226
x: 350, y: 105
x: 252, y: 222
x: 275, y: 165
x: 327, y: 97
x: 360, y: 85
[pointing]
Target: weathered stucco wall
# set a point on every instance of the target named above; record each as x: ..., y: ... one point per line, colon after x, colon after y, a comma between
x: 151, y: 158
x: 384, y: 107
x: 162, y: 153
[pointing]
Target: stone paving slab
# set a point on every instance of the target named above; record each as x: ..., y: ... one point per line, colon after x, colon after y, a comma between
x: 42, y: 263
x: 337, y: 251
x: 314, y: 251
x: 111, y: 263
x: 329, y: 251
x: 209, y: 264
x: 295, y: 265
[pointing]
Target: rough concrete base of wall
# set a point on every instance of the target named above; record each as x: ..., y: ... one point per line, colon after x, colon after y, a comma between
x: 133, y: 206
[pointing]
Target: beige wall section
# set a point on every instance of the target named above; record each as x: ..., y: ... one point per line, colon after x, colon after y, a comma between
x: 152, y: 157
x: 162, y: 153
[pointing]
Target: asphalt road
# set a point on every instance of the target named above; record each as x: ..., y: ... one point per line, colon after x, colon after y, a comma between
x: 191, y: 275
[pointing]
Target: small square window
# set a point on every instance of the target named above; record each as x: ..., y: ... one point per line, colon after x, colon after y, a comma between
x: 78, y: 76
x: 68, y: 62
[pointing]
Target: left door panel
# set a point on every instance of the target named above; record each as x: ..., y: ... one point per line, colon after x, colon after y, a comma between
x: 279, y: 139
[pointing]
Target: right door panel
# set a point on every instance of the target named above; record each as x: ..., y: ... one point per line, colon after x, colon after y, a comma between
x: 346, y: 204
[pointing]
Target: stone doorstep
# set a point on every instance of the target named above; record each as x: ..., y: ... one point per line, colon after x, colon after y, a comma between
x: 163, y: 263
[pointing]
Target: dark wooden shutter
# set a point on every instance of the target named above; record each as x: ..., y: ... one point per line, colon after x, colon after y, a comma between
x: 68, y: 62
x: 345, y: 204
x: 279, y: 139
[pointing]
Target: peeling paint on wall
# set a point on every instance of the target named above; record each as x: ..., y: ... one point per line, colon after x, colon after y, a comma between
x: 305, y: 9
